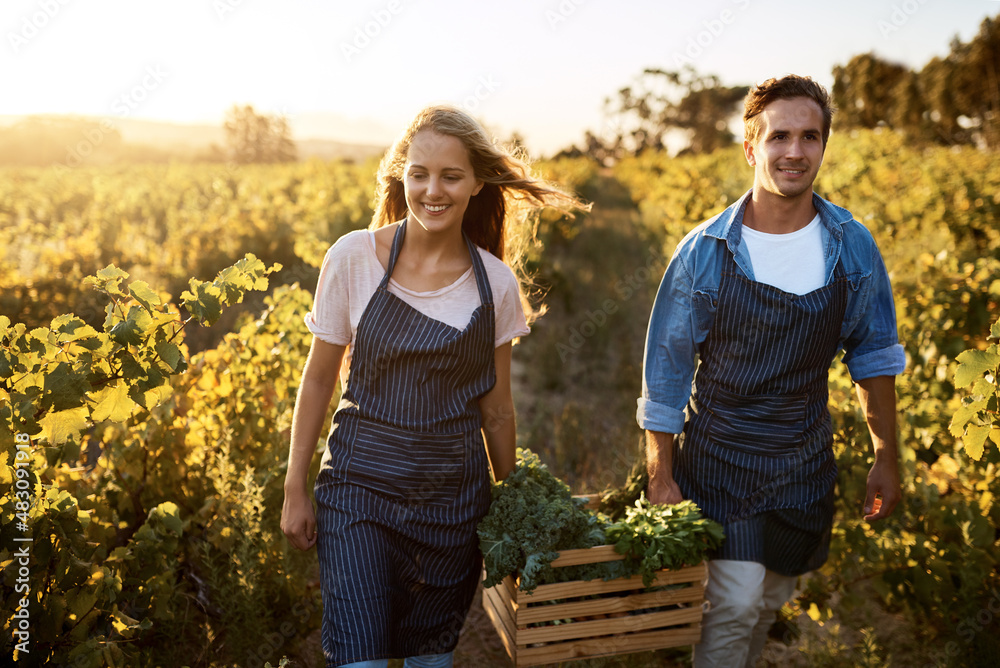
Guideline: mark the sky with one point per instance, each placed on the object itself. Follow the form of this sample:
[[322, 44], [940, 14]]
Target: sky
[[359, 70]]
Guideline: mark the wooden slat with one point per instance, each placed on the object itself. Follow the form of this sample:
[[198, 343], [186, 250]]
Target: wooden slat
[[591, 555], [501, 619], [510, 592], [620, 604], [586, 588], [598, 627], [508, 608], [609, 645]]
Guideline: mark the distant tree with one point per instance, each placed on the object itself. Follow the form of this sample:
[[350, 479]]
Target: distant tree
[[952, 100], [941, 98], [662, 105], [253, 137], [975, 80], [663, 101], [865, 91]]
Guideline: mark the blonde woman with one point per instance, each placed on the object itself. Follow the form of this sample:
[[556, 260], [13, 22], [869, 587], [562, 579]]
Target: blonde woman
[[424, 306]]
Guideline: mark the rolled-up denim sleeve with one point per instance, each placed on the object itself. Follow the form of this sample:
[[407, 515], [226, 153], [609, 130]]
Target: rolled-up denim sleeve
[[669, 359], [873, 348]]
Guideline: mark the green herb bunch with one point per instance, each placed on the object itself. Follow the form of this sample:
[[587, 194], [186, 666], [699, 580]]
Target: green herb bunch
[[661, 536]]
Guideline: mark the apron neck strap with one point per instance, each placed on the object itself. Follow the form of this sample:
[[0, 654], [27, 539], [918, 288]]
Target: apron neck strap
[[478, 268]]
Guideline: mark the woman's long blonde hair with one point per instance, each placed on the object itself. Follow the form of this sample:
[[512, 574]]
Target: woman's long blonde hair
[[501, 218]]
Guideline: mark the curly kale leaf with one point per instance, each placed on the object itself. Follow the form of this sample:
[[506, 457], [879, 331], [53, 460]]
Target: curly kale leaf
[[532, 517]]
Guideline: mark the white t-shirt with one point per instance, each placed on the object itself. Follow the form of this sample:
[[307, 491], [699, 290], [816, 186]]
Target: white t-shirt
[[791, 262], [351, 273]]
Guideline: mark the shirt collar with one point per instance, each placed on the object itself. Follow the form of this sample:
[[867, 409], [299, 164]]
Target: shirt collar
[[728, 224]]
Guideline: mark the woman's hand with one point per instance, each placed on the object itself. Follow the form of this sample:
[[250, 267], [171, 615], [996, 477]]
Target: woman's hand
[[298, 520]]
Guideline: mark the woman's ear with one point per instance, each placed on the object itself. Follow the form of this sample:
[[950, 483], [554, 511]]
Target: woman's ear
[[479, 186]]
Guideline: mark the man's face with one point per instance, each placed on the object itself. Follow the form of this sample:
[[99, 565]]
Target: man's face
[[789, 149]]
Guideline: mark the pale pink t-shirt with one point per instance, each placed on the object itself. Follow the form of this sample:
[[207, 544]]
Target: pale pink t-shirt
[[351, 273]]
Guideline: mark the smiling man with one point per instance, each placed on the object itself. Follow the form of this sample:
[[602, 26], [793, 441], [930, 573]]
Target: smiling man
[[761, 298]]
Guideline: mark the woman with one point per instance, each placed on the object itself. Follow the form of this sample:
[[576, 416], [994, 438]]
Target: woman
[[425, 306]]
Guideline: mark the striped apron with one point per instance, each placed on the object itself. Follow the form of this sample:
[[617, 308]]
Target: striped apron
[[756, 454], [405, 480]]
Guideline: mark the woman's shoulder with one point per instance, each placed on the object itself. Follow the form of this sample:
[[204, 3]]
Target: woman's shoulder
[[356, 249], [497, 269], [350, 243]]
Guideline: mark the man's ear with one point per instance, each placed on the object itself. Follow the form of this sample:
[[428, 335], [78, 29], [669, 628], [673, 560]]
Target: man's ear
[[748, 151]]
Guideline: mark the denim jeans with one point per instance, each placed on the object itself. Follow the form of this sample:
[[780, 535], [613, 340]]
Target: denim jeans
[[425, 661]]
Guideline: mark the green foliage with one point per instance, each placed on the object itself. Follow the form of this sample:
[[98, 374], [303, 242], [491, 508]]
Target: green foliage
[[533, 515], [659, 536], [164, 224], [615, 502], [979, 416], [155, 479]]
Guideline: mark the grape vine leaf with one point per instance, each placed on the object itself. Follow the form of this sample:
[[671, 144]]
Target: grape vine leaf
[[59, 426], [975, 440], [203, 301], [145, 295], [131, 330], [108, 280], [113, 403], [974, 363]]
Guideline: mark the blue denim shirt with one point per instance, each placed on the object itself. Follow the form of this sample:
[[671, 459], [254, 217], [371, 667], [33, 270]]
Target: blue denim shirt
[[685, 307]]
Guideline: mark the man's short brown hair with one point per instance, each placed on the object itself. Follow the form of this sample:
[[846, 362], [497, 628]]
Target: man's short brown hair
[[785, 88]]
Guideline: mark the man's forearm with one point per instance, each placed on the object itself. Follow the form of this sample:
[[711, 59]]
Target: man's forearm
[[878, 401], [659, 455]]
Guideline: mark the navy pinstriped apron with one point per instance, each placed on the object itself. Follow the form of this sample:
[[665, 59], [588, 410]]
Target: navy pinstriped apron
[[756, 454], [405, 480]]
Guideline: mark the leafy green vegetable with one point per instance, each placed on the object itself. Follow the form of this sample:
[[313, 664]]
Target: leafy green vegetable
[[660, 536], [533, 515]]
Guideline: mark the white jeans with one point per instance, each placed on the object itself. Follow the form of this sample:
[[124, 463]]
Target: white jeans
[[744, 598]]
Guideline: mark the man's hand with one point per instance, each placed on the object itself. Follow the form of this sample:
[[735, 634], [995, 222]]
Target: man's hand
[[664, 490], [884, 490]]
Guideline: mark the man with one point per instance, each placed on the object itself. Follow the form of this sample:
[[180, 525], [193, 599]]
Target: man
[[764, 295]]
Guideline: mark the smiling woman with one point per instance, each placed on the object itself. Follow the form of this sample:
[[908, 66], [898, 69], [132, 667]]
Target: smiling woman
[[425, 306]]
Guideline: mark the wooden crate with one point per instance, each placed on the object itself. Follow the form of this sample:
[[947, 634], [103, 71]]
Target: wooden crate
[[619, 616]]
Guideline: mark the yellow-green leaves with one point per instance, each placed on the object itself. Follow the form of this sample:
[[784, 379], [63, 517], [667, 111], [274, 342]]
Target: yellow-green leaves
[[108, 280], [145, 295], [974, 363], [112, 403], [204, 301], [60, 426], [977, 419], [58, 380]]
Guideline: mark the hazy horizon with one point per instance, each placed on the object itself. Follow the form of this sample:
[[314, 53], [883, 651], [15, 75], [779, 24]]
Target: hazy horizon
[[357, 73]]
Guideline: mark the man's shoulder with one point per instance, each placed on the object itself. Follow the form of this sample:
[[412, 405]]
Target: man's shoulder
[[858, 246], [710, 235]]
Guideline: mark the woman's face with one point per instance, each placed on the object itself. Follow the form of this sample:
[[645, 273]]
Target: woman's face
[[438, 181]]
